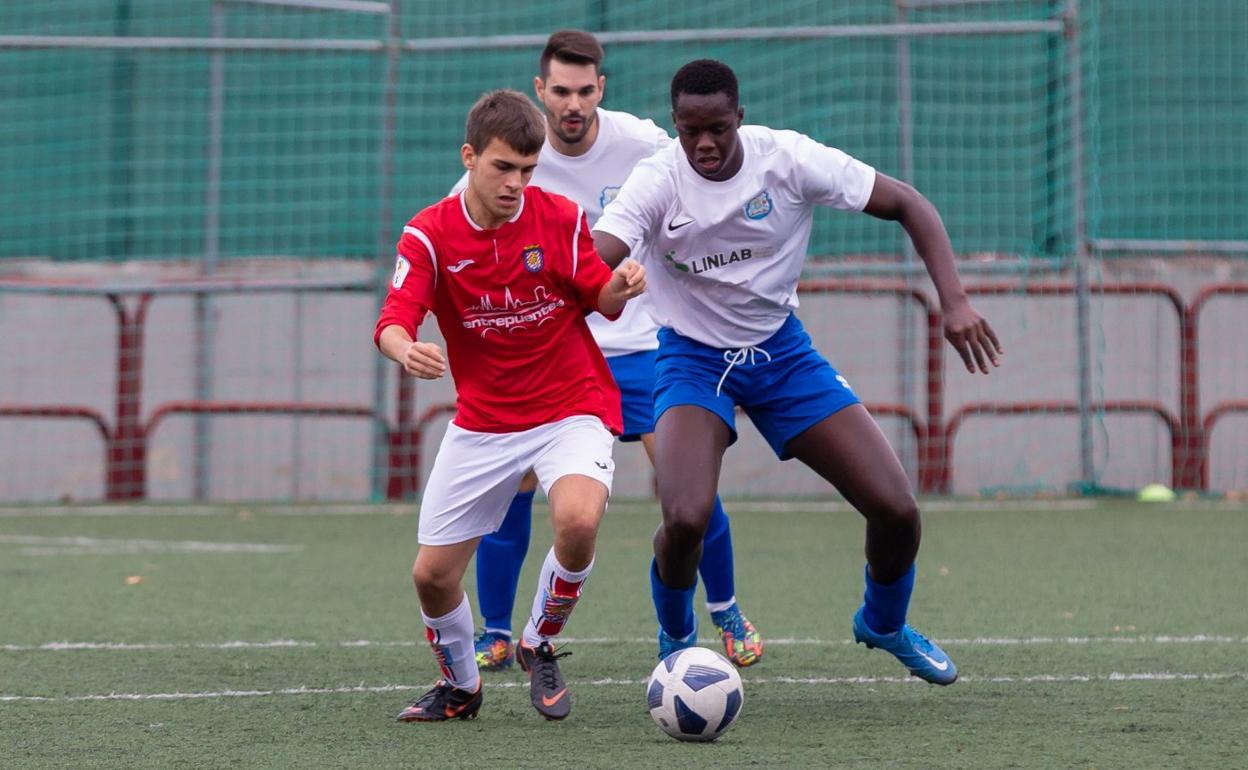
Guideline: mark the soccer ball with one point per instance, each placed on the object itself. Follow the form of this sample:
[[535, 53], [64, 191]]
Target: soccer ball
[[694, 694]]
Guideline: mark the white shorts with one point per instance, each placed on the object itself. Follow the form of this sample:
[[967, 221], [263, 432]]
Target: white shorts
[[475, 475]]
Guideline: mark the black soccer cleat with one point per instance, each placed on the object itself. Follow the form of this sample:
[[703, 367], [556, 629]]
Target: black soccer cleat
[[441, 703], [546, 688]]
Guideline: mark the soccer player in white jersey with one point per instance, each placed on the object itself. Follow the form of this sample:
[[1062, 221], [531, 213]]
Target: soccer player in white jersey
[[723, 219], [588, 153]]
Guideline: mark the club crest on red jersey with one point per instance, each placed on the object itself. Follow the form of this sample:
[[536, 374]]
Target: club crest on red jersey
[[533, 257]]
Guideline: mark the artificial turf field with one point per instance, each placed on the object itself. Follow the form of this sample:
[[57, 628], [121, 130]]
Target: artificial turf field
[[1088, 635]]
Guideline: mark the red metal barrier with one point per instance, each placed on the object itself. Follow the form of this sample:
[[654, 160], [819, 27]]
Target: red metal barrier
[[1059, 407], [1217, 413], [417, 435], [1190, 366], [285, 408], [402, 476], [126, 473], [1187, 439], [125, 470], [66, 412], [929, 436], [126, 441]]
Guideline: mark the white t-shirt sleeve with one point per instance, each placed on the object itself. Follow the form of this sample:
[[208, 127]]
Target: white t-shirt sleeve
[[639, 207], [829, 177]]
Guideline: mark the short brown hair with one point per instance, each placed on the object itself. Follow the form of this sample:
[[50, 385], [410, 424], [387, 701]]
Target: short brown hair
[[508, 115], [571, 46]]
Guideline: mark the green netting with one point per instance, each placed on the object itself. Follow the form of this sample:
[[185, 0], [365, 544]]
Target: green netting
[[105, 154], [1171, 107]]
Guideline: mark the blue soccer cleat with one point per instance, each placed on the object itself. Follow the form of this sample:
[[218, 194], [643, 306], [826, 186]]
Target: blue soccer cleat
[[915, 651], [670, 644]]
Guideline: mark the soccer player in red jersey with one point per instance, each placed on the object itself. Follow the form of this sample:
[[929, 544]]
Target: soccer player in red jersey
[[510, 272]]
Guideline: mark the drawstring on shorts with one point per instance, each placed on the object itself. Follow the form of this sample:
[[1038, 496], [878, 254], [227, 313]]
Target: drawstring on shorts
[[738, 357]]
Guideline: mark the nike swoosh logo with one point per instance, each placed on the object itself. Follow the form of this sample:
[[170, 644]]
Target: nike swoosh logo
[[674, 225], [600, 465], [549, 701], [941, 666], [462, 264]]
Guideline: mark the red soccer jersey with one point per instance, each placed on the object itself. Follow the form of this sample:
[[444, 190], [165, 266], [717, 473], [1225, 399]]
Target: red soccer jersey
[[511, 303]]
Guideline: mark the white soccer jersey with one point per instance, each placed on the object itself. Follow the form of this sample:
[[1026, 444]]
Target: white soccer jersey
[[593, 180], [723, 258]]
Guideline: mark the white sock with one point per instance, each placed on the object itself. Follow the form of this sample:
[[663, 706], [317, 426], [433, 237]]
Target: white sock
[[558, 588], [450, 636], [720, 606]]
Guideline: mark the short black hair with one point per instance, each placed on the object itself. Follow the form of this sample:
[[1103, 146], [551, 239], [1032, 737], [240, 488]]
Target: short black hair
[[571, 46], [705, 76], [508, 115]]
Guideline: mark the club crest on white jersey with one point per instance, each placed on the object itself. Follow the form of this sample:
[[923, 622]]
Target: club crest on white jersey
[[759, 206], [607, 195]]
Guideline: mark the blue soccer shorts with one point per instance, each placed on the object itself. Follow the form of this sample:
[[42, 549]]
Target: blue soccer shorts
[[634, 374], [782, 383]]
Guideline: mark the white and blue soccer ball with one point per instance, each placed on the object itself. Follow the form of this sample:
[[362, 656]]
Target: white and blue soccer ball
[[694, 694]]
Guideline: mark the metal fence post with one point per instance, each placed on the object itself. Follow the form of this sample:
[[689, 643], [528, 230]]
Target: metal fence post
[[205, 327], [381, 367], [1074, 61]]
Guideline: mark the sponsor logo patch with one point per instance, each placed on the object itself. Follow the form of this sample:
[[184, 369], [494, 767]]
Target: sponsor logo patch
[[671, 260], [401, 268]]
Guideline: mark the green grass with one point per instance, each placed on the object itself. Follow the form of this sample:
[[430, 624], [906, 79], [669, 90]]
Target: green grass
[[1059, 618]]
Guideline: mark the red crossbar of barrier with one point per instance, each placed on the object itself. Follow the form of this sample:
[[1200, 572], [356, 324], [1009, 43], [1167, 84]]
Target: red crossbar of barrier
[[126, 439]]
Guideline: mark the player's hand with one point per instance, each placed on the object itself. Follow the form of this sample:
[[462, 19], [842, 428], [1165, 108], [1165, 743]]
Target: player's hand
[[628, 280], [424, 360], [972, 337]]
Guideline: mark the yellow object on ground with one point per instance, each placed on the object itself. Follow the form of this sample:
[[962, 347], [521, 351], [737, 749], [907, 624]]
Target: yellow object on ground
[[1156, 493]]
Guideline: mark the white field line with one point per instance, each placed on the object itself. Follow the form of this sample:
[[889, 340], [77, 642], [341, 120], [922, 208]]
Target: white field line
[[76, 546], [200, 509], [983, 641], [1112, 678]]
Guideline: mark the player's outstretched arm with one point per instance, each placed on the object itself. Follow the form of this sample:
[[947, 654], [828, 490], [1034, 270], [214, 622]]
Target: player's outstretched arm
[[627, 281], [420, 359], [968, 331], [612, 250]]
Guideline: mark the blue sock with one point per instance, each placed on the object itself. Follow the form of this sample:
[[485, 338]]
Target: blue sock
[[500, 555], [886, 605], [674, 606], [716, 565]]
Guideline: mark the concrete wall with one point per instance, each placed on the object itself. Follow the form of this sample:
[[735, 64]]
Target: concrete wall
[[62, 350]]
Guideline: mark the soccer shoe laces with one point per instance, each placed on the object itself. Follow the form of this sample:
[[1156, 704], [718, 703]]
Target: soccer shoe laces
[[921, 642], [549, 674], [731, 621], [737, 358]]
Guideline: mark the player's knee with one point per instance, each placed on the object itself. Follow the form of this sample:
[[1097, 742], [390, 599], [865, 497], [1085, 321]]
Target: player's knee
[[899, 512], [431, 582], [579, 527], [685, 523]]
